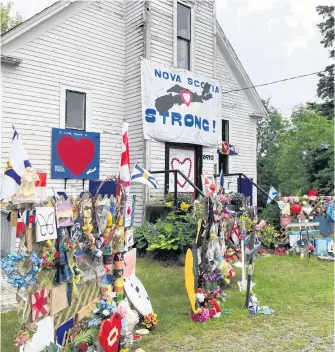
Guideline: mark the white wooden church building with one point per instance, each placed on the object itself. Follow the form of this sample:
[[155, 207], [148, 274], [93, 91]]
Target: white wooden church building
[[77, 65]]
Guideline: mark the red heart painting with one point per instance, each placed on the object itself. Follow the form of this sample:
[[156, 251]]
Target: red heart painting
[[109, 333], [76, 154], [173, 160]]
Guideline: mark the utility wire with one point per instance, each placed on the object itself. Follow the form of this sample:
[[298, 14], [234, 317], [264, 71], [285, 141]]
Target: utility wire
[[273, 82]]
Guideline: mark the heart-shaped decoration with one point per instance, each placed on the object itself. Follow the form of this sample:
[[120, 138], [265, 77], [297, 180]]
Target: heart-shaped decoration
[[188, 174], [186, 97], [307, 209], [76, 154], [285, 220], [109, 333]]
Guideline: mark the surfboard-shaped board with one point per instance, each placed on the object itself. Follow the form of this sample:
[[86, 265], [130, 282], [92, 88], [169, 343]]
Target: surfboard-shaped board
[[109, 333], [189, 278], [137, 295]]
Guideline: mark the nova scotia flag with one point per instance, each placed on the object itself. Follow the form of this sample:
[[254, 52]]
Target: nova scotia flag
[[16, 165], [272, 194], [141, 175]]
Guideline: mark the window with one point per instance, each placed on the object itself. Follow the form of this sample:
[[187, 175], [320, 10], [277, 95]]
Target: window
[[223, 159], [183, 36], [75, 110], [75, 107]]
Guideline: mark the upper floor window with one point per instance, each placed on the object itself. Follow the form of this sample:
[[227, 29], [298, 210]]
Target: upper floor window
[[75, 110], [183, 36], [75, 107]]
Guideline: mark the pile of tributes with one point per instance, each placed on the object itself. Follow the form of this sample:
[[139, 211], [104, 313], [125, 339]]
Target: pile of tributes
[[308, 223], [229, 233], [74, 270]]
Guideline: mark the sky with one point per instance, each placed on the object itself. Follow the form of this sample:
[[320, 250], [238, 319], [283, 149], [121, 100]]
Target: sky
[[274, 39]]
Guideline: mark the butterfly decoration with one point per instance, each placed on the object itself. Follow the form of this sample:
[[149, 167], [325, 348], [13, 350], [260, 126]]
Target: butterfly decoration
[[45, 224]]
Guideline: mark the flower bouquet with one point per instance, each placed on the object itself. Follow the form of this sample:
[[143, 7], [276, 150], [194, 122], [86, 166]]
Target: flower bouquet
[[150, 321]]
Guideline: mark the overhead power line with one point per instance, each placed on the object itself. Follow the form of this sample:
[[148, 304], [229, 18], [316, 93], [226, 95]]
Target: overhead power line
[[273, 82]]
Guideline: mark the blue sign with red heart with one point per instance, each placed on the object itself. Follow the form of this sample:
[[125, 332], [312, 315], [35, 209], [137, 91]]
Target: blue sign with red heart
[[75, 154]]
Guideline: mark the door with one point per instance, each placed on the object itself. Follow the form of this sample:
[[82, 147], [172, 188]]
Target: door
[[183, 157]]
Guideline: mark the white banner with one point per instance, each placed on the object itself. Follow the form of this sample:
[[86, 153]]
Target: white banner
[[180, 106]]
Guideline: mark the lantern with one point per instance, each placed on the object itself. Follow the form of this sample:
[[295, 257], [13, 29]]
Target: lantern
[[296, 209]]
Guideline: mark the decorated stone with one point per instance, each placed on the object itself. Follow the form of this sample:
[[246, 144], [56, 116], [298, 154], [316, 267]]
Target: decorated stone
[[109, 333], [138, 295]]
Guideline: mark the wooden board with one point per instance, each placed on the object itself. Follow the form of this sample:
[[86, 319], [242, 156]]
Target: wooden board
[[87, 310], [58, 299], [189, 278], [303, 224], [304, 232]]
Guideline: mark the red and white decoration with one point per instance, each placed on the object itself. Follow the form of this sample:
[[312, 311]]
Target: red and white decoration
[[183, 160], [124, 176], [109, 333], [41, 185], [39, 303]]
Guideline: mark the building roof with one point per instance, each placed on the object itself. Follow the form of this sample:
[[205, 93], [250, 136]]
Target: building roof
[[34, 21], [230, 55]]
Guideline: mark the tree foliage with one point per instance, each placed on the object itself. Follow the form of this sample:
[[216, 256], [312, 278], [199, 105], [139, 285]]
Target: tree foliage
[[7, 20], [301, 148], [325, 88], [269, 130]]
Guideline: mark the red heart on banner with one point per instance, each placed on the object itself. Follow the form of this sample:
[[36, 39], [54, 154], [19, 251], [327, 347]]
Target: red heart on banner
[[109, 333], [76, 154], [173, 160]]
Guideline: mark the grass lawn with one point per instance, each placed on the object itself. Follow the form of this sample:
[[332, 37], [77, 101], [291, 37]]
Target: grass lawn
[[299, 290]]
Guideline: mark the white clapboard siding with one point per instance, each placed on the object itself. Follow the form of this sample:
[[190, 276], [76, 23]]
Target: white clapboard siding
[[86, 50], [236, 108], [162, 51], [134, 50]]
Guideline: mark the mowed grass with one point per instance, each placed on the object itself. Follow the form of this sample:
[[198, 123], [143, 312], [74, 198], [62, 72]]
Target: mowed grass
[[299, 290]]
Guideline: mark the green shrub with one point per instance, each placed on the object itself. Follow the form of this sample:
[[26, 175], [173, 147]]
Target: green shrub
[[169, 237], [269, 236]]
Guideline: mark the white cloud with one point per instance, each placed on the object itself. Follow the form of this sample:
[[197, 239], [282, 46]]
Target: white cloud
[[291, 21], [298, 42], [273, 23]]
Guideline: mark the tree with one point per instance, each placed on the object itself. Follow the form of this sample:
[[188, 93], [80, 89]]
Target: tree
[[325, 89], [269, 129], [302, 147], [7, 21]]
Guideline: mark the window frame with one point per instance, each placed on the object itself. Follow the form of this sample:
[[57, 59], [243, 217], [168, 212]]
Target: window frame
[[177, 37], [88, 106]]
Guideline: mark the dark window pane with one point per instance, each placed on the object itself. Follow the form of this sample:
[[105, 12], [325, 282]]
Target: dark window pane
[[184, 22], [183, 54], [75, 110]]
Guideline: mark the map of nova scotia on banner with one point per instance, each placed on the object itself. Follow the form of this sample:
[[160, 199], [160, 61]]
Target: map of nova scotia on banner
[[180, 106]]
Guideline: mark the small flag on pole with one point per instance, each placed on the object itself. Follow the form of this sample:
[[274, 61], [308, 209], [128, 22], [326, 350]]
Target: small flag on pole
[[141, 175], [16, 165], [124, 175], [272, 194]]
